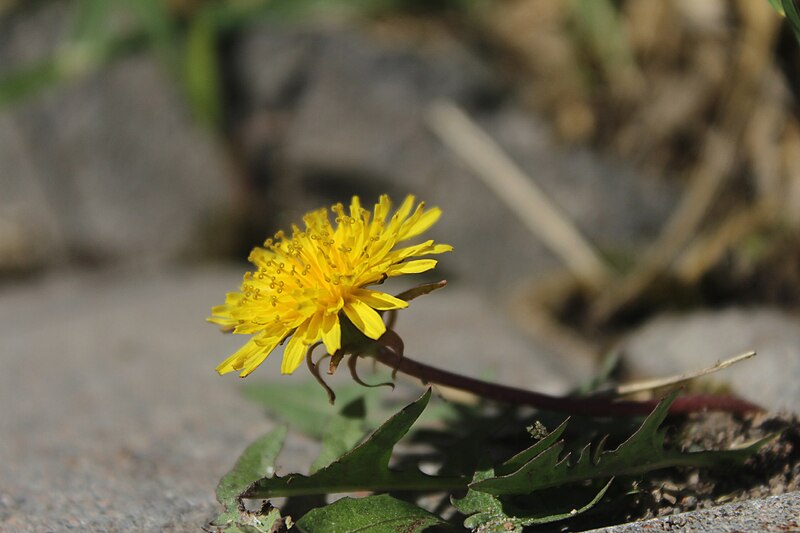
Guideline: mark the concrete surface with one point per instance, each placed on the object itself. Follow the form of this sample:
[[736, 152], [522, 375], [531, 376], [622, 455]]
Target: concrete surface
[[114, 419]]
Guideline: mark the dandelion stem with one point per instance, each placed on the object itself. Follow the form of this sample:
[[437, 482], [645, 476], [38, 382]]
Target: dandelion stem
[[569, 405]]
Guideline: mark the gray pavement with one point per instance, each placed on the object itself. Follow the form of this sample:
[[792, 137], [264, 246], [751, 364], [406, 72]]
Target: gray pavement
[[114, 419]]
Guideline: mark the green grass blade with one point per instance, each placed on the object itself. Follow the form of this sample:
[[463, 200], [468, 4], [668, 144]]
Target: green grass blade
[[791, 9], [201, 70]]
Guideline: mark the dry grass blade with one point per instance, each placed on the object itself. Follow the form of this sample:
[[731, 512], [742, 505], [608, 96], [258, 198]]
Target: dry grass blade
[[518, 191], [652, 384]]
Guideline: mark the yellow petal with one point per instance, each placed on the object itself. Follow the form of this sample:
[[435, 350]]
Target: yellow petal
[[222, 321], [379, 300], [405, 208], [267, 346], [411, 267], [355, 207], [293, 354], [236, 361], [260, 256], [365, 318], [413, 227], [313, 330], [331, 332]]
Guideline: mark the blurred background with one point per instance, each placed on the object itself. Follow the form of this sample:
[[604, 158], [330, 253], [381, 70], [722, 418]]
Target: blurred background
[[144, 133], [598, 162]]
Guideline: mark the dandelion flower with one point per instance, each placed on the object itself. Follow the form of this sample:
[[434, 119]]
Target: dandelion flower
[[307, 284]]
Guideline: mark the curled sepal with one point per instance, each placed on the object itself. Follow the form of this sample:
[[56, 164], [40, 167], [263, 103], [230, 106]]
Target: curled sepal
[[421, 290]]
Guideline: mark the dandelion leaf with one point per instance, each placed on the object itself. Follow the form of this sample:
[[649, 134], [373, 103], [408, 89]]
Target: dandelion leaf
[[373, 514], [342, 432], [257, 460], [305, 404], [536, 469], [488, 513], [364, 468]]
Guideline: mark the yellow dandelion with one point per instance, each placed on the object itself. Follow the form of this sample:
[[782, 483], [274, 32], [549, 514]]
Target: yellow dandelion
[[307, 284]]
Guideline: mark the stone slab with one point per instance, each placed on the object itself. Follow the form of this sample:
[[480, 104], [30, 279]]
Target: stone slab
[[114, 419], [674, 344]]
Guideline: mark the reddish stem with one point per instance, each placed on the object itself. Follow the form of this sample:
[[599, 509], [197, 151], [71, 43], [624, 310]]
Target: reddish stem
[[574, 406]]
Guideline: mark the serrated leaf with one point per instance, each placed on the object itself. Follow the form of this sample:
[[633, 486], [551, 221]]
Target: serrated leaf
[[255, 462], [373, 514], [487, 513], [642, 452], [526, 455], [342, 432], [364, 468]]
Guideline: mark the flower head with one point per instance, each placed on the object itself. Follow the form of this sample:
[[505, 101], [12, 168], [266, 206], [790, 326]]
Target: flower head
[[308, 283]]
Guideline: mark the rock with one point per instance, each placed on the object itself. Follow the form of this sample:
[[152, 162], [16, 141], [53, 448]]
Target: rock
[[358, 125], [676, 344], [776, 513], [108, 166], [116, 421], [33, 34], [124, 424], [457, 329]]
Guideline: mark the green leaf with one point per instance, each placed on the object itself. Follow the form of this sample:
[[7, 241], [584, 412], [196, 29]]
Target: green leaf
[[305, 405], [342, 433], [365, 468], [489, 514], [642, 452], [257, 461], [27, 81], [373, 514], [598, 23], [530, 453], [791, 9], [201, 70], [776, 5]]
